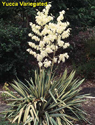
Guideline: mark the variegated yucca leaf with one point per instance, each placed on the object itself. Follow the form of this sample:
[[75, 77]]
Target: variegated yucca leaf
[[46, 100]]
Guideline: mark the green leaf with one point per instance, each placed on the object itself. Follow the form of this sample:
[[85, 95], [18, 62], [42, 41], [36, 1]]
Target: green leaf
[[10, 95], [15, 118], [47, 118], [19, 90], [53, 121], [52, 96], [34, 112]]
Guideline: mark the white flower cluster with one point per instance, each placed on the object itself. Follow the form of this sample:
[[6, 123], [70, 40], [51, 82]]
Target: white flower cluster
[[49, 38]]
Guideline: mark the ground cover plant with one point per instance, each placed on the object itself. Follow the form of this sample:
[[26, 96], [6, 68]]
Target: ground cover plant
[[47, 100]]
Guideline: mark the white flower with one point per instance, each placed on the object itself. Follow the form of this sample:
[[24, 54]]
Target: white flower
[[41, 44], [48, 6], [66, 55], [60, 18], [33, 53], [59, 30], [29, 43], [38, 13], [61, 58], [30, 35], [49, 31], [28, 50], [66, 33], [36, 31], [44, 10], [39, 58], [60, 43], [40, 64], [66, 45], [47, 9], [38, 27], [44, 31], [45, 39], [47, 63], [55, 60], [33, 45], [63, 11], [48, 50], [30, 23], [35, 38], [52, 47], [44, 54]]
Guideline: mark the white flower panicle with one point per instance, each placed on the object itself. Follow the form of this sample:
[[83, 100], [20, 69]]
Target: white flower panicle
[[48, 37]]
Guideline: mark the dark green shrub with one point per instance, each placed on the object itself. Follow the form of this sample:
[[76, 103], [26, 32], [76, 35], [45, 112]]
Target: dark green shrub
[[87, 69], [78, 13], [13, 56]]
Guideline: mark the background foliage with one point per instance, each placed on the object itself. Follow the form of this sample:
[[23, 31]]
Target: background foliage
[[83, 53], [13, 55], [14, 27]]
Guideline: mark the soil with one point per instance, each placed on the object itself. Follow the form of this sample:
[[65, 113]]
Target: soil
[[88, 106]]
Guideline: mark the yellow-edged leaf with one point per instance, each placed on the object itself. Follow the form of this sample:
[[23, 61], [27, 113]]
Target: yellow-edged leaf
[[34, 112], [20, 114], [26, 112], [14, 120]]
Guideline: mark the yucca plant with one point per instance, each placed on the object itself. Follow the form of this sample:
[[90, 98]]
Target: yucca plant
[[47, 101]]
